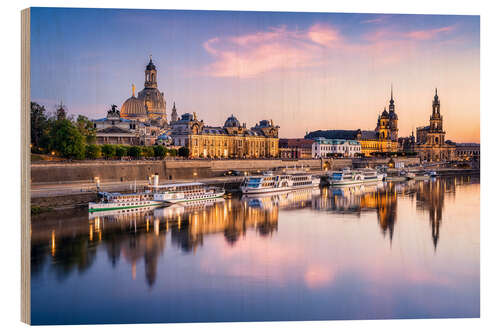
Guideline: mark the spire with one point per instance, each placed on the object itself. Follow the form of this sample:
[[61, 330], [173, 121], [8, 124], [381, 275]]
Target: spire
[[392, 100], [173, 108]]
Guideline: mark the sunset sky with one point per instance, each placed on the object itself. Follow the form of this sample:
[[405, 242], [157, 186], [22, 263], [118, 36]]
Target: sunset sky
[[306, 71]]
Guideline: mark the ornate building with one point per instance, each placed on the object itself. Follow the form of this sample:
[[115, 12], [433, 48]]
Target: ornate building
[[384, 139], [115, 129], [150, 102], [430, 143], [233, 140]]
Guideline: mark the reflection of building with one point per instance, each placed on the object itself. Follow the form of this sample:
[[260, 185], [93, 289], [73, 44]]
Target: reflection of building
[[381, 140], [231, 140], [295, 148], [430, 142]]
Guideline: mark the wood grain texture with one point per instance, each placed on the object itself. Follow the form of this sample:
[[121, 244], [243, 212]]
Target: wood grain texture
[[25, 168]]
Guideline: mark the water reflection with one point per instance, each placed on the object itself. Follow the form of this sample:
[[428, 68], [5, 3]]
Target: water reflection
[[69, 242]]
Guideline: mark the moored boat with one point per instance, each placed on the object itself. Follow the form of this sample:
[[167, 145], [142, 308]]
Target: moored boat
[[348, 177], [124, 202], [269, 182], [186, 192]]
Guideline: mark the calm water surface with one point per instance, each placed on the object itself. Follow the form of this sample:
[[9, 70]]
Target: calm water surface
[[407, 250]]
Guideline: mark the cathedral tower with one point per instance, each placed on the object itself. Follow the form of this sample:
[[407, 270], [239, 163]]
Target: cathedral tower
[[150, 75], [436, 133], [393, 119]]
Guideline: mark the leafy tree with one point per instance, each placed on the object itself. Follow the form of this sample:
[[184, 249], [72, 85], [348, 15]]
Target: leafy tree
[[172, 152], [65, 138], [93, 151], [183, 152], [160, 151], [121, 151], [108, 151], [148, 151], [134, 151], [86, 127], [39, 124]]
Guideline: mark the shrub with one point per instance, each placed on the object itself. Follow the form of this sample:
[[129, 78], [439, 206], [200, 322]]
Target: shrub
[[183, 152], [134, 151], [121, 151], [93, 152], [108, 151], [160, 151], [147, 151]]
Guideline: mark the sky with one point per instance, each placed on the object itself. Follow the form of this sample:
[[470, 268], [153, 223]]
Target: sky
[[306, 71]]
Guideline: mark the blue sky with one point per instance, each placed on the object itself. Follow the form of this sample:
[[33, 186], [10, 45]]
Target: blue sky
[[329, 70]]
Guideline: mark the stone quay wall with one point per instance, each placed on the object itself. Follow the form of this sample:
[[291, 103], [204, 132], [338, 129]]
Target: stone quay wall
[[108, 171]]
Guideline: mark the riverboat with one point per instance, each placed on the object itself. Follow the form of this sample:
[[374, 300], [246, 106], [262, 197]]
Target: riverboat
[[269, 182], [123, 202], [186, 192], [349, 177]]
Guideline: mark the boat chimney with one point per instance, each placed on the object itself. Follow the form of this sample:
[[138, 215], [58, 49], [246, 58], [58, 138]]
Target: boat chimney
[[156, 179]]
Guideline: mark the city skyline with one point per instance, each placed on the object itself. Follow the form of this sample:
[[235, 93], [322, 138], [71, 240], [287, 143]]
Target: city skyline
[[328, 70]]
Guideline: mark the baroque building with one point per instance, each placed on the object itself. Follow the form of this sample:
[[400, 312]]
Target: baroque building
[[115, 129], [233, 140], [150, 102], [430, 142], [383, 139]]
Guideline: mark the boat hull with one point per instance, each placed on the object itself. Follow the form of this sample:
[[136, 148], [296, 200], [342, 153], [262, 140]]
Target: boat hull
[[99, 207], [206, 197], [246, 190]]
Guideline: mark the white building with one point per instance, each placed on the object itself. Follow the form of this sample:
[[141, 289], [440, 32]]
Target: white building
[[335, 148]]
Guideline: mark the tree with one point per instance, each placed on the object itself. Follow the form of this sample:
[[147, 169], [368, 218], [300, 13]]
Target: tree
[[148, 151], [121, 151], [65, 138], [108, 151], [39, 124], [160, 151], [93, 151], [134, 151], [183, 152], [86, 127], [172, 152]]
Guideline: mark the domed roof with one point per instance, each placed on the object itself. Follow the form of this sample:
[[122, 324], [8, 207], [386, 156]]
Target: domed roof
[[232, 122], [133, 107], [385, 114]]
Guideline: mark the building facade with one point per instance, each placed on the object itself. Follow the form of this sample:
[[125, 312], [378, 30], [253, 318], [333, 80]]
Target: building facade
[[323, 147], [295, 148], [233, 140], [383, 139], [430, 142], [468, 151], [115, 129]]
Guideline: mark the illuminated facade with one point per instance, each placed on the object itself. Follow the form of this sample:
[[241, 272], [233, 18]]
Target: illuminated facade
[[233, 140], [430, 143], [384, 139]]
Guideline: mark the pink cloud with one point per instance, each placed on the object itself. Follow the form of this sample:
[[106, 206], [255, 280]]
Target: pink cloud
[[278, 48], [283, 49], [428, 34]]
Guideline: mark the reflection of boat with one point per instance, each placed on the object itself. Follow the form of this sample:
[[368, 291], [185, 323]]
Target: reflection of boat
[[290, 199], [348, 177], [121, 212], [185, 192], [124, 202], [183, 207], [270, 182]]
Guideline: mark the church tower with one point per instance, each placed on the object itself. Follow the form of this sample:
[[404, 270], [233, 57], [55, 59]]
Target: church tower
[[150, 75], [436, 133], [174, 116], [393, 119]]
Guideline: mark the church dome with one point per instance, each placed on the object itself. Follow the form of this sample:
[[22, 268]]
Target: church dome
[[133, 108], [232, 122]]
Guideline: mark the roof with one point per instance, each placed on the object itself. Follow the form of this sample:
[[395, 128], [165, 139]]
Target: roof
[[113, 129], [369, 135], [333, 134]]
